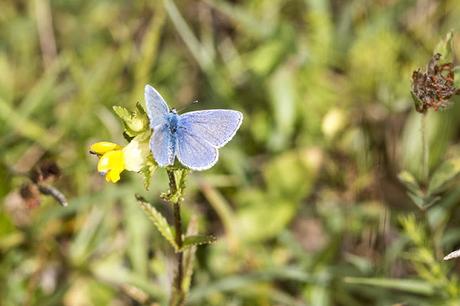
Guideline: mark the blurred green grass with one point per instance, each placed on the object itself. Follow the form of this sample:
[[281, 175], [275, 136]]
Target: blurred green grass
[[305, 200]]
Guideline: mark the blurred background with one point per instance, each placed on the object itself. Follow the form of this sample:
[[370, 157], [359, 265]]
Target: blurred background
[[305, 201]]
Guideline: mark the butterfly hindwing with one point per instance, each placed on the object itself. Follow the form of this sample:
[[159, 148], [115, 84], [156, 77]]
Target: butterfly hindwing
[[195, 152], [216, 126], [157, 109]]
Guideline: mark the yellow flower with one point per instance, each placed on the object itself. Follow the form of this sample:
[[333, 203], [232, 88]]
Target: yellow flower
[[114, 159], [103, 147]]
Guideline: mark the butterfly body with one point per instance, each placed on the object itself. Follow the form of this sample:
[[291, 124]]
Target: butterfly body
[[173, 119], [193, 137]]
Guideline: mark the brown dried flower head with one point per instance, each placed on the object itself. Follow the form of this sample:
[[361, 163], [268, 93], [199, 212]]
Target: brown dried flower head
[[433, 87], [41, 176], [47, 171]]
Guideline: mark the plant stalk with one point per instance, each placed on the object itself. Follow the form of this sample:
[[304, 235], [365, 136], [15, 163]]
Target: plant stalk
[[425, 150], [425, 178], [180, 254], [178, 295]]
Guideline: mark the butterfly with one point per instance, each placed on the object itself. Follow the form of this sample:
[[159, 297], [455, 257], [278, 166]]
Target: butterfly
[[194, 137]]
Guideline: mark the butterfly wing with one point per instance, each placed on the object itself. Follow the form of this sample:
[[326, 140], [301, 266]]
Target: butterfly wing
[[163, 145], [195, 152], [201, 133], [217, 126], [157, 109]]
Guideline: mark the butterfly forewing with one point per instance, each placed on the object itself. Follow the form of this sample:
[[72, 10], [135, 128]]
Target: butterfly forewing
[[162, 146], [217, 127], [157, 109]]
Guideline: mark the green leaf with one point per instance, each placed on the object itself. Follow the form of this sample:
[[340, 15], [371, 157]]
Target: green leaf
[[263, 59], [417, 102], [410, 182], [444, 47], [195, 240], [457, 76], [422, 199], [425, 201], [148, 170], [175, 193], [135, 123], [139, 121], [251, 221], [289, 176], [443, 175], [407, 285], [122, 112], [239, 282], [283, 100], [416, 200], [158, 220], [189, 256]]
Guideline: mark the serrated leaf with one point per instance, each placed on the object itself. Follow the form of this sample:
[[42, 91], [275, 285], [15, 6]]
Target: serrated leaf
[[126, 117], [134, 123], [158, 220], [443, 175], [122, 112], [195, 240], [175, 193], [148, 170]]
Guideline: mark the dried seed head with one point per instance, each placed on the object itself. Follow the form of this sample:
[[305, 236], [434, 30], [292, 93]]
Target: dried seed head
[[433, 87], [30, 195], [46, 171]]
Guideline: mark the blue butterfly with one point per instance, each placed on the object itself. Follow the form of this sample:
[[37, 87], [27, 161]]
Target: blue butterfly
[[193, 137]]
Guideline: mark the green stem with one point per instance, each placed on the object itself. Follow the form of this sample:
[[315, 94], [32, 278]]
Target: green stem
[[425, 178], [180, 254], [425, 151], [178, 295]]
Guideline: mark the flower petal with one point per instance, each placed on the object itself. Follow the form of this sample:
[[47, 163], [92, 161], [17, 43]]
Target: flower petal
[[135, 154], [103, 147], [111, 160], [113, 175]]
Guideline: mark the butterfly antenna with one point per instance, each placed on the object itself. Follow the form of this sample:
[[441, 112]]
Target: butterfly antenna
[[185, 107]]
